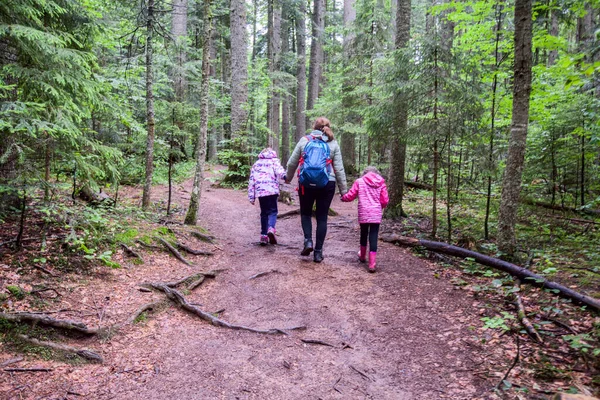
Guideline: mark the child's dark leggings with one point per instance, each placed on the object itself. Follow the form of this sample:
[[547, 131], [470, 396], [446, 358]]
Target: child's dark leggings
[[372, 232], [268, 212]]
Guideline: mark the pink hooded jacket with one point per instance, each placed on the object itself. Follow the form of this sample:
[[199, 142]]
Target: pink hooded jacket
[[265, 175], [372, 197]]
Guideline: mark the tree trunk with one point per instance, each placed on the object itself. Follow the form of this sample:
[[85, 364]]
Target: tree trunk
[[213, 140], [490, 167], [149, 108], [316, 56], [8, 154], [239, 67], [301, 71], [348, 145], [276, 94], [179, 31], [511, 184], [285, 103], [192, 213], [398, 150], [553, 55]]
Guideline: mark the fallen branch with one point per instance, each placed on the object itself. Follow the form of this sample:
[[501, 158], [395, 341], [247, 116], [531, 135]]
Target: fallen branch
[[522, 315], [11, 361], [84, 353], [320, 342], [28, 369], [174, 251], [44, 270], [203, 237], [130, 252], [514, 363], [555, 207], [49, 321], [194, 252], [181, 301], [523, 274], [273, 271]]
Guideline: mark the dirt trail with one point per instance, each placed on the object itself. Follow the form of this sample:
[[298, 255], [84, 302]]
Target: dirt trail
[[394, 334]]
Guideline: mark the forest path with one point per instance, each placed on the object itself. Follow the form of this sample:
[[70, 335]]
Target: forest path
[[397, 334], [399, 326]]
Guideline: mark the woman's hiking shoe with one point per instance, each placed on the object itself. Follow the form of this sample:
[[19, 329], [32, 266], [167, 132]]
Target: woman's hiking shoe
[[372, 261], [271, 235], [318, 256], [308, 247], [264, 240], [362, 254]]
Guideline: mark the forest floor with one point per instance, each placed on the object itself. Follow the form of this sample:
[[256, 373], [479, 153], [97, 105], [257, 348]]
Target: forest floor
[[405, 332]]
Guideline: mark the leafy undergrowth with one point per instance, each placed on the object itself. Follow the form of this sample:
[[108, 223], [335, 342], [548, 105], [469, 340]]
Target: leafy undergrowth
[[564, 248]]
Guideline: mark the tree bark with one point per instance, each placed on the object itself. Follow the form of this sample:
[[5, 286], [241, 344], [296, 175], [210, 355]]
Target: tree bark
[[553, 55], [285, 97], [348, 142], [276, 94], [511, 184], [192, 213], [316, 55], [239, 67], [149, 107], [301, 71], [179, 32], [523, 274], [398, 148]]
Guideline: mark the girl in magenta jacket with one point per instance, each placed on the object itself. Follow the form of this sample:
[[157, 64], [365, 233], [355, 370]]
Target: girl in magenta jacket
[[372, 196]]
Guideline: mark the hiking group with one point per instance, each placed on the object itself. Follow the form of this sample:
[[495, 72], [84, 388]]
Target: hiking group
[[318, 159]]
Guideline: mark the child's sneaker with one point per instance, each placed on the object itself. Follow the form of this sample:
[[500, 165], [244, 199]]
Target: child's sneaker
[[264, 240], [271, 235]]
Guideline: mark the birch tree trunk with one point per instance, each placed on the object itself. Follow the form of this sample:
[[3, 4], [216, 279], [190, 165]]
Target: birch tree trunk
[[511, 184], [316, 55], [149, 108], [398, 147], [301, 71], [192, 212], [239, 67]]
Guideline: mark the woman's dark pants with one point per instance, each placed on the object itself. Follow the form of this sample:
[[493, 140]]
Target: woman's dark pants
[[322, 198]]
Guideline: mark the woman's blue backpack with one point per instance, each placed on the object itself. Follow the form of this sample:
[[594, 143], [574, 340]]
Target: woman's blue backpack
[[315, 164]]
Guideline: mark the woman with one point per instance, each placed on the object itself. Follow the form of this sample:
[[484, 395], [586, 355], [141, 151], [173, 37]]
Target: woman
[[322, 196]]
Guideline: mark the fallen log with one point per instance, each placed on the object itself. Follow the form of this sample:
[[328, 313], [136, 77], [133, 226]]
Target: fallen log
[[523, 274], [49, 321], [418, 185], [288, 214], [28, 369], [555, 207], [181, 301], [84, 353]]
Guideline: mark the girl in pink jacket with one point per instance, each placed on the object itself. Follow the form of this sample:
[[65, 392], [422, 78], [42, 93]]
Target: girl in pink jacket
[[372, 199]]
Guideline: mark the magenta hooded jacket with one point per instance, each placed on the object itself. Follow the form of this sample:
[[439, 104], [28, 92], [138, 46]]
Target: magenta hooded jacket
[[372, 197], [265, 175]]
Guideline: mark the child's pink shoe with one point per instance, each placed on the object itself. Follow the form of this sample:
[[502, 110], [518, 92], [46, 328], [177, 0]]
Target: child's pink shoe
[[372, 261], [362, 254], [264, 240], [271, 234]]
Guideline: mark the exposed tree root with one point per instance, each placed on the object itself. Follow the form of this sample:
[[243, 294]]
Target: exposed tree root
[[130, 252], [194, 252], [525, 275], [65, 324], [28, 369], [174, 251], [180, 300], [11, 361], [273, 271], [320, 342], [84, 353], [141, 310], [193, 278], [203, 237], [149, 246]]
